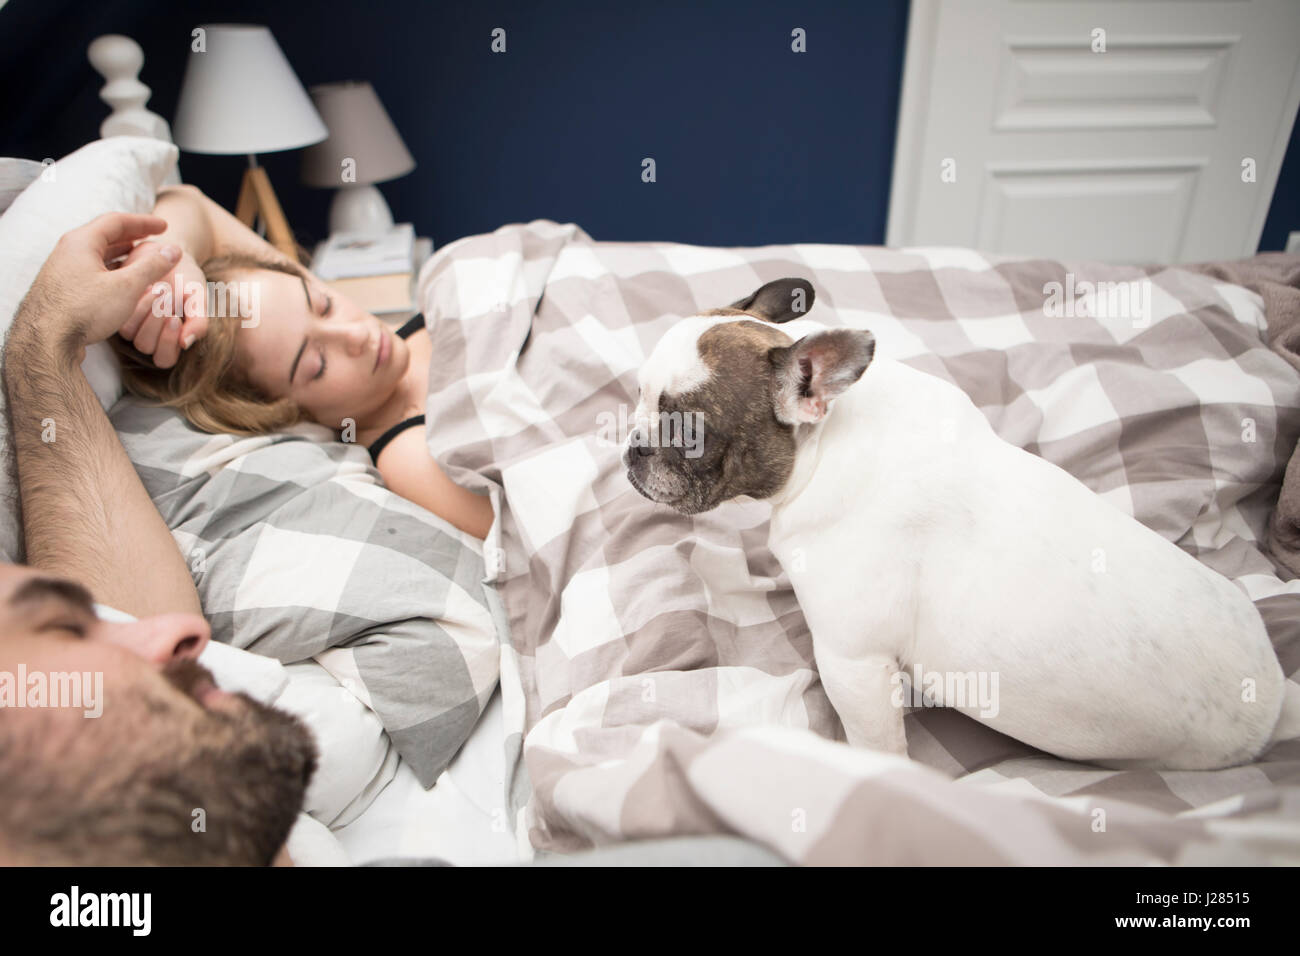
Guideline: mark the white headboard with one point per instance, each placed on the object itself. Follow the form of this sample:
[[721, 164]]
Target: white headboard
[[118, 59]]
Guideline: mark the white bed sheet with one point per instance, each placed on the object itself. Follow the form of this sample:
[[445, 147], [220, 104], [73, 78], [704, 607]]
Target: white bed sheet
[[462, 819]]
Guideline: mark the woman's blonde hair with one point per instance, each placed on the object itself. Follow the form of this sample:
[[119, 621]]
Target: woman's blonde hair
[[206, 384]]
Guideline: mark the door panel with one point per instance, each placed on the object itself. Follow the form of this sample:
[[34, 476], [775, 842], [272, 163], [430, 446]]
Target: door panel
[[1016, 137]]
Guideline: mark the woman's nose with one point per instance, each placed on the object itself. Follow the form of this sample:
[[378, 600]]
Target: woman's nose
[[163, 639], [354, 338]]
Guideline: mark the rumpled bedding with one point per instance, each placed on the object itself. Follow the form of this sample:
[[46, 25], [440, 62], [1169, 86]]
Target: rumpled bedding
[[659, 678], [1275, 277]]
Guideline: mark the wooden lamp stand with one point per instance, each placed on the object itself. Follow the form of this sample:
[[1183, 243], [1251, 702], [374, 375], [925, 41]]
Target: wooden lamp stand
[[257, 198]]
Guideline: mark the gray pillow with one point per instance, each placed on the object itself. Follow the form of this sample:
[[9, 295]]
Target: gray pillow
[[15, 176], [298, 551]]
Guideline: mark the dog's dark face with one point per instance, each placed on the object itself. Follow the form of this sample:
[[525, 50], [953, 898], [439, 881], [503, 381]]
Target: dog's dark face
[[706, 433], [723, 392]]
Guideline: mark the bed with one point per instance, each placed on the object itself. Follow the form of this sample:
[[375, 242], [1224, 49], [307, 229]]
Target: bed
[[657, 676], [626, 673]]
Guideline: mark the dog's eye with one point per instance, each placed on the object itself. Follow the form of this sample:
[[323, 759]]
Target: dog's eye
[[707, 453]]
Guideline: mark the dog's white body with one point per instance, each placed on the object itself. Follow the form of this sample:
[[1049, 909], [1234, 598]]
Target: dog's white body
[[917, 539]]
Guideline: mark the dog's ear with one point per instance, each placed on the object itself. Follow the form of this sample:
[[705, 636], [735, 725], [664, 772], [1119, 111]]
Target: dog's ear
[[810, 374], [779, 301]]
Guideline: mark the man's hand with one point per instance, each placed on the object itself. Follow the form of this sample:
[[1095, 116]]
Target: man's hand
[[173, 313], [77, 299]]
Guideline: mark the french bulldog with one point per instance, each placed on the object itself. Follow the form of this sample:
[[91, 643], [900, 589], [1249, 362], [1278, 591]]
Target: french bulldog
[[919, 542]]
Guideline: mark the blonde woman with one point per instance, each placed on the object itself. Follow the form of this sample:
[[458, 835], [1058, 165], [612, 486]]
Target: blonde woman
[[310, 355]]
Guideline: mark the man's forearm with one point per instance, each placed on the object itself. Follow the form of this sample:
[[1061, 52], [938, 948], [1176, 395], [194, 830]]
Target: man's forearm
[[86, 515]]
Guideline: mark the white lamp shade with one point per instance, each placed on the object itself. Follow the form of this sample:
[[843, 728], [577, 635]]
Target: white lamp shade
[[240, 96], [363, 140]]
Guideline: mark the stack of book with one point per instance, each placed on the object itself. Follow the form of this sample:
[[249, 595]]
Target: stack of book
[[374, 271]]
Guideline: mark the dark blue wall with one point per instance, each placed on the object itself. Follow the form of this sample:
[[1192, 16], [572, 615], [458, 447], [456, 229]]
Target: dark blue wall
[[753, 143], [1284, 214]]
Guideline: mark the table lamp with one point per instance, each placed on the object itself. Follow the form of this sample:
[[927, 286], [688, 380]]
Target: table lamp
[[363, 148], [240, 96]]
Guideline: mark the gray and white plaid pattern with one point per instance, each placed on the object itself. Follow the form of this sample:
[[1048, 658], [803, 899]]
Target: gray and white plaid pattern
[[660, 676], [298, 551]]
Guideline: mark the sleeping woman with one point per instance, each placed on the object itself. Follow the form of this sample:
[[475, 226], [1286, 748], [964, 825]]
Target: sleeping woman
[[311, 355]]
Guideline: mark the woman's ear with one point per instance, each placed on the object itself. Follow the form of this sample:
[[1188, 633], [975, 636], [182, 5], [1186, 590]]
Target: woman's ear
[[810, 374], [779, 301]]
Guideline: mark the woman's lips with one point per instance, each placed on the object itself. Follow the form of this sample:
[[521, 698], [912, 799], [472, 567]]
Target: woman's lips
[[383, 349]]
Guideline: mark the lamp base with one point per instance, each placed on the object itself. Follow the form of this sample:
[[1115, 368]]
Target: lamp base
[[257, 198], [360, 209]]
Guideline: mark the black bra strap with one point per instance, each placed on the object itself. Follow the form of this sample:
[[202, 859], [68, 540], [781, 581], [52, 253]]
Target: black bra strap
[[380, 443], [412, 325]]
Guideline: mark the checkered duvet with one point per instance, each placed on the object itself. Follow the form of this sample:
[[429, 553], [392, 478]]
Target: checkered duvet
[[659, 676]]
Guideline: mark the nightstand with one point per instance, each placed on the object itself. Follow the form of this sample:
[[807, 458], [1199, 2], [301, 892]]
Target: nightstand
[[421, 251], [420, 255]]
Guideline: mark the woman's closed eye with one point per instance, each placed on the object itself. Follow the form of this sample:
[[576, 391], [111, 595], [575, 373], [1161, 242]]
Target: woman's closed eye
[[326, 300], [308, 365], [322, 303], [314, 366]]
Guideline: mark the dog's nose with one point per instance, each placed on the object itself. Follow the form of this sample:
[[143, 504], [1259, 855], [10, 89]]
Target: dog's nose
[[644, 451]]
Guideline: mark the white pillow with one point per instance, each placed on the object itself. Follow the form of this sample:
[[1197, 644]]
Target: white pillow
[[119, 174], [356, 758]]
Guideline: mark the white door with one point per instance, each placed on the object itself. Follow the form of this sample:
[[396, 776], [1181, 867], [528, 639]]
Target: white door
[[1130, 132]]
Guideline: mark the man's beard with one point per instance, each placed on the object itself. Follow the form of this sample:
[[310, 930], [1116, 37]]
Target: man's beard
[[155, 780], [188, 675], [257, 759]]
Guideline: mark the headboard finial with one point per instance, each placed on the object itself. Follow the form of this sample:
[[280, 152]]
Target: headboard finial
[[119, 59]]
